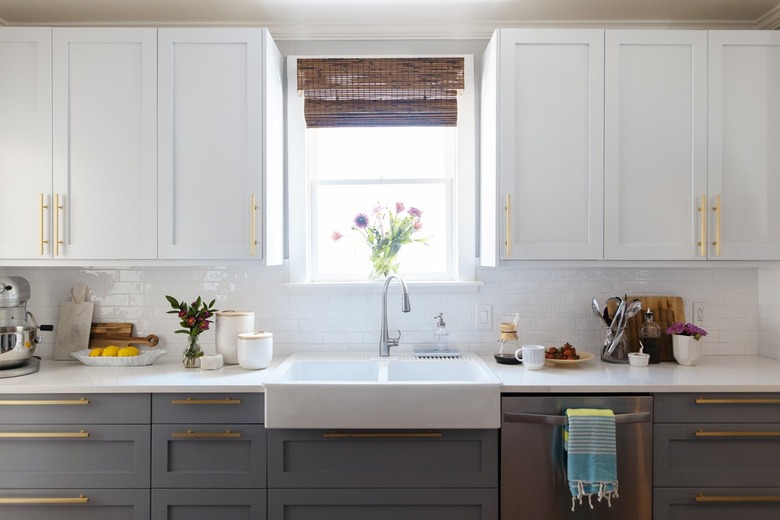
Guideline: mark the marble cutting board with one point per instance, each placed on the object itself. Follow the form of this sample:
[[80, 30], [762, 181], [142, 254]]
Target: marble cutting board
[[74, 325]]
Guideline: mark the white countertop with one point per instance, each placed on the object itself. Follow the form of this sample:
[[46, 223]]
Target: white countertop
[[712, 374]]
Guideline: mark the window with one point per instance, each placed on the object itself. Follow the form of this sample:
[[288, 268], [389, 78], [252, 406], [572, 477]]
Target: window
[[357, 164]]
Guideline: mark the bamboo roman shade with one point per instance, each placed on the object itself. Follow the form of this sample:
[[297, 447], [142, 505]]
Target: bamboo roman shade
[[380, 91]]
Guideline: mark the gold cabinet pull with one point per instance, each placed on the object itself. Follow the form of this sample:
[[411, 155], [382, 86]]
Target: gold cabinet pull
[[732, 434], [253, 225], [190, 400], [45, 435], [42, 206], [57, 208], [381, 435], [44, 402], [189, 434], [716, 209], [749, 400], [43, 500], [736, 499], [508, 210], [702, 226]]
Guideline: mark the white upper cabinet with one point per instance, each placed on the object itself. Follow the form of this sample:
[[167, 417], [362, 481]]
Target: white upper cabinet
[[542, 145], [655, 160], [25, 141], [220, 144], [744, 145], [105, 143]]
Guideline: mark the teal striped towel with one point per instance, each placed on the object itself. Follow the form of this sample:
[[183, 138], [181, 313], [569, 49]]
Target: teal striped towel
[[589, 440]]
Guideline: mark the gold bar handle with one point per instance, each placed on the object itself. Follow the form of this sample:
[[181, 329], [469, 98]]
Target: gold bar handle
[[757, 400], [190, 400], [43, 500], [42, 206], [716, 209], [702, 226], [57, 208], [381, 435], [43, 402], [253, 225], [508, 210], [736, 499], [702, 433], [44, 435], [189, 434]]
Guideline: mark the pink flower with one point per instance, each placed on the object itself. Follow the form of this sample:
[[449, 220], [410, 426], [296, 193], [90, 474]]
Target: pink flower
[[415, 212], [399, 207], [417, 225], [335, 236]]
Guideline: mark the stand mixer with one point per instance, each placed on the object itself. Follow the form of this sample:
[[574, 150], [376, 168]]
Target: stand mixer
[[508, 330], [18, 328]]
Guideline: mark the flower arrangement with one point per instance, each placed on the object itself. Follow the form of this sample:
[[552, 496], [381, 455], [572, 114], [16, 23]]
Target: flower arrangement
[[385, 234], [686, 329], [194, 320]]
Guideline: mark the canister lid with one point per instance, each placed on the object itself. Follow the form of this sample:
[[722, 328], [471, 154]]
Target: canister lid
[[233, 314], [259, 334]]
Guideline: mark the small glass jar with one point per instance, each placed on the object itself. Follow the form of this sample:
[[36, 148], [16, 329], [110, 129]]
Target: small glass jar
[[650, 337]]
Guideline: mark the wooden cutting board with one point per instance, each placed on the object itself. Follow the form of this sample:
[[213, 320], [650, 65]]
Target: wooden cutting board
[[119, 334], [666, 310]]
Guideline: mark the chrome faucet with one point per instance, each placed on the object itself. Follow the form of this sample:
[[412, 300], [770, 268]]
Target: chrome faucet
[[385, 341]]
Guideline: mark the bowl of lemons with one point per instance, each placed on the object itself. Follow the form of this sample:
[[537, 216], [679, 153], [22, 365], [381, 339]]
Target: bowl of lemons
[[114, 356]]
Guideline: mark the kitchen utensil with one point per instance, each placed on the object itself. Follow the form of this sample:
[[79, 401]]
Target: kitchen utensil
[[532, 356], [616, 300], [666, 310], [18, 328], [122, 341], [146, 356], [73, 328], [584, 356], [594, 306], [111, 329]]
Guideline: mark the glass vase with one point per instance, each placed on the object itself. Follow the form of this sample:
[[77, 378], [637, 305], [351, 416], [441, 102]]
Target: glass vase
[[191, 355]]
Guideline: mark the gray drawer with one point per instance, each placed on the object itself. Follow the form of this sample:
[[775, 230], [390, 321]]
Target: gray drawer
[[716, 454], [208, 408], [208, 456], [383, 459], [75, 504], [387, 504], [721, 408], [208, 504], [64, 456], [716, 504], [75, 409]]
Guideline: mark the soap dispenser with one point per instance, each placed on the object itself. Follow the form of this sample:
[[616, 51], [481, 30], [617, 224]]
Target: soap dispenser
[[442, 335]]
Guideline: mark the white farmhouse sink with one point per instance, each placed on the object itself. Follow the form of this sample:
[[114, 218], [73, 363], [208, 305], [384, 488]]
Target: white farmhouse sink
[[355, 390]]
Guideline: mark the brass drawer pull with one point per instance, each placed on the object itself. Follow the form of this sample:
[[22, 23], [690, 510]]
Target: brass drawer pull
[[702, 433], [44, 435], [43, 500], [44, 402], [381, 435], [757, 400], [190, 400], [736, 499], [189, 434]]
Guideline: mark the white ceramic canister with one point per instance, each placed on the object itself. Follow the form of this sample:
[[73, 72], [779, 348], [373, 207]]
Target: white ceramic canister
[[255, 349], [229, 325]]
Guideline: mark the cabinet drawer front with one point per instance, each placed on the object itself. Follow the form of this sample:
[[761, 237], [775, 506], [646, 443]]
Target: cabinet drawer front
[[717, 454], [75, 409], [717, 408], [208, 408], [208, 456], [106, 456], [716, 504], [208, 504], [387, 504], [362, 459], [75, 504]]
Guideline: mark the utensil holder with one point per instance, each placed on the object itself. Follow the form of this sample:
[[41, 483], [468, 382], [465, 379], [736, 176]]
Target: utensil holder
[[615, 349]]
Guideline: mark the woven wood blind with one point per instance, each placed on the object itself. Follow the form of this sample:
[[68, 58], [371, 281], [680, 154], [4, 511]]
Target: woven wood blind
[[380, 91]]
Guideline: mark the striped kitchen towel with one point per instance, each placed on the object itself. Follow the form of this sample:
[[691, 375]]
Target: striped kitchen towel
[[589, 440]]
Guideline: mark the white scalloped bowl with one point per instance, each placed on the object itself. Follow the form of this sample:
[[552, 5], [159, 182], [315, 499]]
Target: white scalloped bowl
[[146, 356]]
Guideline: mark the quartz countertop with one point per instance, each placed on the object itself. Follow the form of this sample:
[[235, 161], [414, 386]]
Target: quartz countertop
[[167, 375]]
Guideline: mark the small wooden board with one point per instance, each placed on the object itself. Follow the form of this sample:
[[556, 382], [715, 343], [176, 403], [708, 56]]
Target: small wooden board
[[119, 334], [666, 310]]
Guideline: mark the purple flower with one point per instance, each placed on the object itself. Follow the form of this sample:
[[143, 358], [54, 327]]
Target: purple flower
[[361, 221], [399, 207], [415, 212], [686, 329]]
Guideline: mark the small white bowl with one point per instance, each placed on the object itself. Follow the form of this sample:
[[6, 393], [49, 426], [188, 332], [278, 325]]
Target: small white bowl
[[636, 359]]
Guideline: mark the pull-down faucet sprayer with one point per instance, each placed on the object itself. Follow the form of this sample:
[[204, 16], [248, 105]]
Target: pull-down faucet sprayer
[[385, 341]]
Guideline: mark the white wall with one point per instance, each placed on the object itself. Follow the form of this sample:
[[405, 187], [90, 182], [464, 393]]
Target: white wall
[[769, 312]]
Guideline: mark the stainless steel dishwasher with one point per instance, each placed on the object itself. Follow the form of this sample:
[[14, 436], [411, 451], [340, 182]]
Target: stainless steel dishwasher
[[533, 468]]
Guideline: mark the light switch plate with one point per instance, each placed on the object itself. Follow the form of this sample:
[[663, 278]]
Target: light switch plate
[[484, 317]]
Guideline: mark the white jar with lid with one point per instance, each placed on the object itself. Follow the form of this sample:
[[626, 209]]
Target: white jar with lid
[[229, 324], [255, 349]]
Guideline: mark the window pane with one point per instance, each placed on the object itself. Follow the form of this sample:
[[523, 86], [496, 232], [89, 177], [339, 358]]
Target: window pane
[[380, 153], [335, 208]]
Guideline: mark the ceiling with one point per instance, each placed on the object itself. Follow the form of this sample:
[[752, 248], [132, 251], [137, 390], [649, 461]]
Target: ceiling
[[375, 19]]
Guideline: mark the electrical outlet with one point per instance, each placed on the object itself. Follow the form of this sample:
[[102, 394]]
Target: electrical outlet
[[484, 317], [698, 312]]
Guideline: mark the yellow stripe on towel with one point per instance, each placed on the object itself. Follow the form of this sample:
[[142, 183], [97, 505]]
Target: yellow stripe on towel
[[589, 412]]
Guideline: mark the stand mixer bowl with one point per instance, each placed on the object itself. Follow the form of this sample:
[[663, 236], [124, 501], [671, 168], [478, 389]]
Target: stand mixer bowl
[[18, 328]]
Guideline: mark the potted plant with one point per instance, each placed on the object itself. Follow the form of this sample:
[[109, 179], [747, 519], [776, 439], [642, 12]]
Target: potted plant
[[686, 345], [194, 320]]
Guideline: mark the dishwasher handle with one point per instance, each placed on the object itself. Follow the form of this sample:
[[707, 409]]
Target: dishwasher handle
[[560, 420]]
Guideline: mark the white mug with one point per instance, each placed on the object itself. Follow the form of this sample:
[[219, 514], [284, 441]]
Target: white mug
[[533, 356]]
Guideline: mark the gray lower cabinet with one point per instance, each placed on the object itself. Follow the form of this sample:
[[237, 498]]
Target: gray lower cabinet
[[318, 474], [75, 456], [716, 456], [208, 457]]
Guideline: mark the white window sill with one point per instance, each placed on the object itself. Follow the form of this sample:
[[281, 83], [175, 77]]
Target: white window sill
[[376, 286]]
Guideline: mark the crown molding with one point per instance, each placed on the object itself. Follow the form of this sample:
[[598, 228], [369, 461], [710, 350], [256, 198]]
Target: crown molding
[[770, 21]]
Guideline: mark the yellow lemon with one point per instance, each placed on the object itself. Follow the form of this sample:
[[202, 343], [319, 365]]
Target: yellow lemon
[[110, 351], [127, 352], [95, 352]]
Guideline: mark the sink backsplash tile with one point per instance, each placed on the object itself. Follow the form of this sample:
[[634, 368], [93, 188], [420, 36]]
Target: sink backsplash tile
[[742, 313]]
